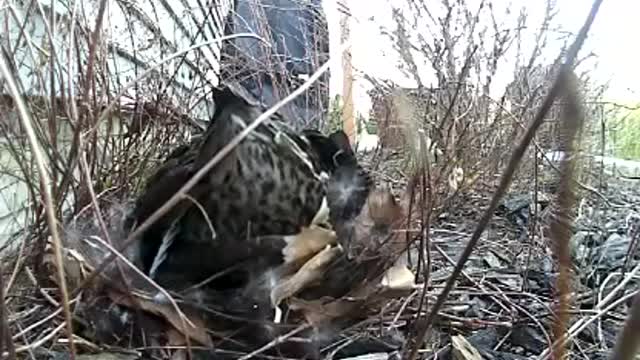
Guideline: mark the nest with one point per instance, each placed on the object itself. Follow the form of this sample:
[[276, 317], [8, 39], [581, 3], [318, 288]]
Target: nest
[[322, 288]]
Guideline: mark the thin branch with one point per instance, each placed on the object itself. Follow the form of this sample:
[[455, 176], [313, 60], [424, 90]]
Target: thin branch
[[629, 339], [45, 185]]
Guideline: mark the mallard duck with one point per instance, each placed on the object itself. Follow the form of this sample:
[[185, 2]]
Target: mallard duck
[[270, 186]]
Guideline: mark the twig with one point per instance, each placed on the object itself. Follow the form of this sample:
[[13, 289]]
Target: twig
[[46, 188], [40, 341], [5, 338], [44, 294], [46, 319], [599, 307], [154, 67], [579, 326], [629, 338], [552, 165], [18, 265], [275, 342], [95, 39], [112, 250]]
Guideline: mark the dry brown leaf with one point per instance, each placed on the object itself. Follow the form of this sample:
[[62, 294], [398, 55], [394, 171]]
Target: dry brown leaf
[[196, 332], [309, 272], [308, 242], [398, 277], [75, 265], [383, 208], [174, 339]]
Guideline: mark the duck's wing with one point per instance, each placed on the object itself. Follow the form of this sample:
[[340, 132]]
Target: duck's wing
[[269, 184], [274, 171], [163, 184]]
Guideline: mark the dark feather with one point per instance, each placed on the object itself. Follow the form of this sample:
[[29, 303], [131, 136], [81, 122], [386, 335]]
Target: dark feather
[[347, 192], [333, 151]]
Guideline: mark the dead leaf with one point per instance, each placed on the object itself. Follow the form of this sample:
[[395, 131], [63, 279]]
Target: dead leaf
[[398, 277], [379, 229], [363, 297], [75, 265], [196, 332], [308, 242], [175, 338], [309, 272]]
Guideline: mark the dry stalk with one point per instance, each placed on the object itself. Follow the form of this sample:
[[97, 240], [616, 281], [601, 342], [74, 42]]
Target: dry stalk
[[5, 336], [581, 325], [95, 40], [18, 265], [43, 340], [560, 227], [348, 119]]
